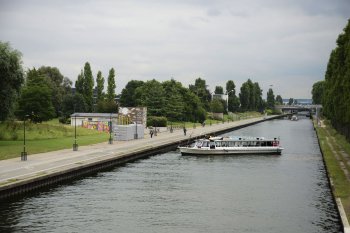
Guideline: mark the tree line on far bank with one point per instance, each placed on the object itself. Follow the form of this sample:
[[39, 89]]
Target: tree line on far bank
[[334, 91], [44, 93]]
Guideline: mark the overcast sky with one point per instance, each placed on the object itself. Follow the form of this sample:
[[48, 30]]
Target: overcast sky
[[281, 43]]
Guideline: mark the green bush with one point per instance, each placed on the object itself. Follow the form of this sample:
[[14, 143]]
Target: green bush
[[157, 121]]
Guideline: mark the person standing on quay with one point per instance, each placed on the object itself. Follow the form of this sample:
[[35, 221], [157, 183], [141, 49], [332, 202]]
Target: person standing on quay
[[185, 131]]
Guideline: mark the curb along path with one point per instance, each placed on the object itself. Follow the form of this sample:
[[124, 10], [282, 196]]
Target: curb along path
[[49, 168]]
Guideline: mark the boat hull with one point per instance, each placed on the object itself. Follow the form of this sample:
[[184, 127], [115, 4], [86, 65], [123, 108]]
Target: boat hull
[[231, 151]]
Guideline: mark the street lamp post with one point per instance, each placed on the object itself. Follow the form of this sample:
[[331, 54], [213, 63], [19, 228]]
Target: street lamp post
[[136, 135], [75, 145], [110, 141], [24, 152]]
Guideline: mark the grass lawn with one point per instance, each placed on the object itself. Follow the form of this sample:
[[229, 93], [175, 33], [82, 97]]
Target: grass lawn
[[44, 137], [341, 185]]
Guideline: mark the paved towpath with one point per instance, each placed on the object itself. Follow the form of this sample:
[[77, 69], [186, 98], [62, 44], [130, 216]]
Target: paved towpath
[[15, 170]]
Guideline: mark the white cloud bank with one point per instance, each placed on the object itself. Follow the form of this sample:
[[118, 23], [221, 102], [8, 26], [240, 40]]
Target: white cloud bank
[[281, 43]]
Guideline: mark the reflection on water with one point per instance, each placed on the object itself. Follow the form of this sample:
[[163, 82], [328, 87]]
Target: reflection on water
[[171, 193]]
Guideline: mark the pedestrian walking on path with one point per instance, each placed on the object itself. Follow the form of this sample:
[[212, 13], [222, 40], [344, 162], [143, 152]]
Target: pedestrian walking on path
[[185, 130], [151, 133]]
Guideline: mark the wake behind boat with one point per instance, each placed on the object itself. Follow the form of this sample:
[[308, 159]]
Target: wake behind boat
[[233, 145]]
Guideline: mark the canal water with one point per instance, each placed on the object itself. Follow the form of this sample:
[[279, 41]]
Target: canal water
[[174, 193]]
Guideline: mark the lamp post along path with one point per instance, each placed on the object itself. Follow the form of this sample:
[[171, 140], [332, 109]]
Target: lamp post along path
[[110, 141], [24, 152], [75, 145]]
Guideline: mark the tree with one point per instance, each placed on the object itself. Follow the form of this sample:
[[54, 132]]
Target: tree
[[100, 82], [290, 101], [59, 85], [88, 87], [35, 100], [152, 96], [11, 78], [317, 92], [336, 94], [258, 97], [200, 89], [219, 90], [270, 100], [279, 100], [111, 86], [231, 88], [79, 84], [233, 101], [107, 106], [244, 96], [73, 103], [127, 98], [174, 107], [217, 106]]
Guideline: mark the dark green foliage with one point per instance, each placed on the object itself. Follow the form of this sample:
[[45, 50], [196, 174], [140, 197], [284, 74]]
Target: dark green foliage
[[88, 87], [35, 100], [233, 100], [107, 106], [152, 96], [59, 85], [200, 89], [317, 92], [290, 101], [11, 78], [270, 100], [336, 94], [127, 98], [100, 82], [111, 86], [174, 102], [279, 100], [73, 103], [251, 96], [219, 90], [244, 96], [156, 121], [79, 84], [217, 106]]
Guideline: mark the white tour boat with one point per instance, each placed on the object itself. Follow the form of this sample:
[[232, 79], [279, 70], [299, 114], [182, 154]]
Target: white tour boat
[[233, 145]]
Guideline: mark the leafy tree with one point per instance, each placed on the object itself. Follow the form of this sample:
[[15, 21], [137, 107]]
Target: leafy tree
[[219, 90], [35, 100], [336, 94], [317, 92], [100, 82], [73, 103], [174, 108], [233, 101], [231, 88], [270, 100], [107, 106], [200, 89], [217, 106], [290, 101], [79, 84], [111, 86], [88, 87], [11, 78], [279, 100], [152, 96], [127, 97], [258, 98], [244, 96], [59, 85]]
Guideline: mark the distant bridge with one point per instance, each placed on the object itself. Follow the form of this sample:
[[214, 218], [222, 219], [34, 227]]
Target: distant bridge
[[298, 108]]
